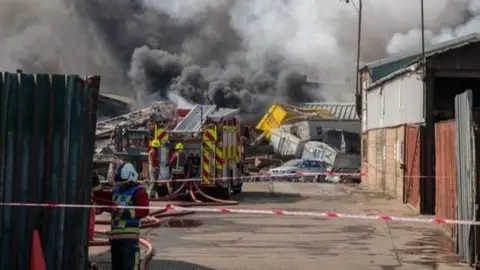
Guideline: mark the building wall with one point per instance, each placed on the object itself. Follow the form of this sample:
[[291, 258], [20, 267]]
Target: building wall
[[384, 160], [396, 102]]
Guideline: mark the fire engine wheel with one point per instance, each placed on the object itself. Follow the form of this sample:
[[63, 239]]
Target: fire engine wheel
[[237, 189], [224, 193], [162, 191]]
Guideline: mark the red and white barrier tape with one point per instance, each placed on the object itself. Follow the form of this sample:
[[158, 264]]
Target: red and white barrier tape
[[170, 207], [266, 175]]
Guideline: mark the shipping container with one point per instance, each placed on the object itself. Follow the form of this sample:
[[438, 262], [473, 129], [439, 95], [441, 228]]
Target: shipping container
[[445, 173], [286, 144], [412, 166], [46, 155], [320, 151]]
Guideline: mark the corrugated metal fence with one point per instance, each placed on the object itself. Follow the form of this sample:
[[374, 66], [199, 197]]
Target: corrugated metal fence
[[47, 124], [446, 187], [466, 173], [412, 166]]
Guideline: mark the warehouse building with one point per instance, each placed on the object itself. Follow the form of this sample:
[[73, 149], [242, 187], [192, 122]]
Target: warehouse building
[[401, 105]]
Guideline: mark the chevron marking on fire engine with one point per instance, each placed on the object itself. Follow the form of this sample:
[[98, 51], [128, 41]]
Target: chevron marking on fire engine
[[208, 139], [218, 157]]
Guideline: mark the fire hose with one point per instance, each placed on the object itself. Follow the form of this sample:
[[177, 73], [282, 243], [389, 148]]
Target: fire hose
[[156, 218], [192, 188]]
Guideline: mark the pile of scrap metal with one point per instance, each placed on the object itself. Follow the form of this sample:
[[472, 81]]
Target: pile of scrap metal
[[260, 153], [111, 139], [309, 133]]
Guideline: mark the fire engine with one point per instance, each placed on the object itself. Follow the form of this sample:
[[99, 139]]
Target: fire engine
[[212, 141]]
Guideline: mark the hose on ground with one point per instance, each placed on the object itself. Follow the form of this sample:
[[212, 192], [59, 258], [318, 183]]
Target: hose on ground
[[194, 188], [143, 261], [153, 220]]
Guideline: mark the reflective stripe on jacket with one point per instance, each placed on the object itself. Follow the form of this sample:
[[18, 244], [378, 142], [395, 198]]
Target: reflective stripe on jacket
[[179, 167], [123, 225]]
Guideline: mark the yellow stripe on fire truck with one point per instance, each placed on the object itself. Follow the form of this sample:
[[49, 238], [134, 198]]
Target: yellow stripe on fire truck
[[219, 156], [209, 138]]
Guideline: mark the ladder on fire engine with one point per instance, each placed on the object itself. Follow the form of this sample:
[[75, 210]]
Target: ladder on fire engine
[[163, 109]]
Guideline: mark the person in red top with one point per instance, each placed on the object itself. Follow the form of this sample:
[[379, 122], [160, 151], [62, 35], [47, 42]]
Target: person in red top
[[125, 225], [153, 163]]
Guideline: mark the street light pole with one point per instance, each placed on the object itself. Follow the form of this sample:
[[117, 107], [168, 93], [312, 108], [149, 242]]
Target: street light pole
[[422, 17], [358, 95]]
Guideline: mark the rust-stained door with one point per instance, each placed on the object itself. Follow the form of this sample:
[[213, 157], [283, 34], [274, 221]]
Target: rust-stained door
[[412, 166], [446, 181]]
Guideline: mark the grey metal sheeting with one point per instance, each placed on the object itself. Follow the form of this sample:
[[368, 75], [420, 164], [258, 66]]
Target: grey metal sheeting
[[47, 124], [342, 111], [194, 119], [466, 175]]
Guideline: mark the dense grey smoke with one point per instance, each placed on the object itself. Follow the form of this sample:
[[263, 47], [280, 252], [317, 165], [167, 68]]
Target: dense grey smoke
[[244, 53]]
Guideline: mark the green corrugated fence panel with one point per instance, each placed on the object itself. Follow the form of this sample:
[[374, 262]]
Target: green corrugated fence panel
[[47, 125]]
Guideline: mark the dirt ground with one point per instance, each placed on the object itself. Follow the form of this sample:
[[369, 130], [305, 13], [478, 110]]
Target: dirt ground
[[242, 241]]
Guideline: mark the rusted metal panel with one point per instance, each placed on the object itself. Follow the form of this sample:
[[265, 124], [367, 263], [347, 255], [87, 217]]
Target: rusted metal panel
[[48, 125], [412, 166], [446, 187]]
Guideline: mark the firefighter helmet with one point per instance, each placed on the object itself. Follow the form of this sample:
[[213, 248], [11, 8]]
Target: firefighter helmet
[[179, 146], [155, 143], [126, 172]]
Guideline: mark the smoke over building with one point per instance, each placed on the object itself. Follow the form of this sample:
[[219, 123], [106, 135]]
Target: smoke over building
[[234, 53]]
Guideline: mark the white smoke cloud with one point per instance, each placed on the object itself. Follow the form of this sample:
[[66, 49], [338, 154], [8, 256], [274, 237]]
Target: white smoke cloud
[[184, 10], [412, 40]]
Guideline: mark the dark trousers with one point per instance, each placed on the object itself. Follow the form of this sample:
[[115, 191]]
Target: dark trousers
[[125, 254]]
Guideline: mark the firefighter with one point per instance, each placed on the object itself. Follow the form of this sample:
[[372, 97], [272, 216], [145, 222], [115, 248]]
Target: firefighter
[[178, 162], [125, 224], [153, 163]]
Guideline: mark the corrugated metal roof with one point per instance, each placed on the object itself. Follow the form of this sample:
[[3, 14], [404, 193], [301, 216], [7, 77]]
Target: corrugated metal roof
[[195, 118], [342, 111], [46, 149], [429, 51]]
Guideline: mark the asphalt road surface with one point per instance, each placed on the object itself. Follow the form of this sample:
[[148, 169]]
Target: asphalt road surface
[[242, 241]]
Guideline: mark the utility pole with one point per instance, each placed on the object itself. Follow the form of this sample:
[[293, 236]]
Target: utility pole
[[424, 62], [358, 94]]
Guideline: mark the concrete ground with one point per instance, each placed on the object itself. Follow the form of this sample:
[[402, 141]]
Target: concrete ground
[[241, 241]]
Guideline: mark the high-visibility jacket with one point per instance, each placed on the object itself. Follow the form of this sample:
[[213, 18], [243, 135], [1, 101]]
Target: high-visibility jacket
[[127, 223], [177, 162]]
